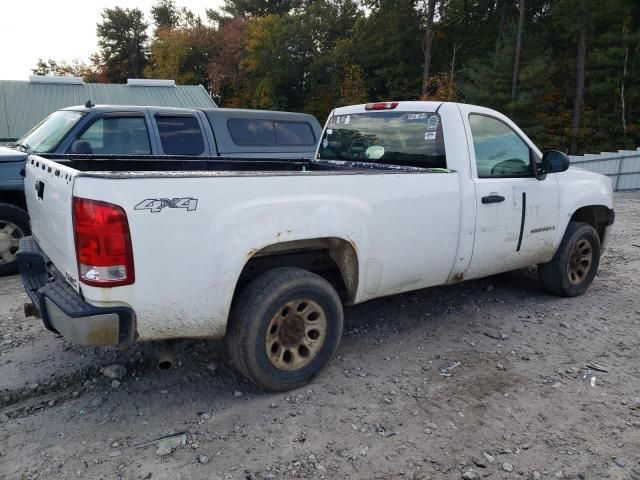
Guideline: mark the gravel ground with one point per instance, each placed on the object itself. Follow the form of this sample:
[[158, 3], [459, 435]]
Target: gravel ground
[[482, 379]]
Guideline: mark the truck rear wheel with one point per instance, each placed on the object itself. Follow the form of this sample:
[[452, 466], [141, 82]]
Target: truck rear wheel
[[284, 328], [575, 264], [14, 224]]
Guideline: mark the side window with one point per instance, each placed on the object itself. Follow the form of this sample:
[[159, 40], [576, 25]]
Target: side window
[[118, 136], [180, 135], [248, 132], [500, 152], [294, 133]]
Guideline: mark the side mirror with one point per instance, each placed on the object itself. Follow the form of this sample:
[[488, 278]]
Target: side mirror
[[555, 161], [81, 147]]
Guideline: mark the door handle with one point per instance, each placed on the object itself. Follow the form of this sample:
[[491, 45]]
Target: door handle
[[493, 199]]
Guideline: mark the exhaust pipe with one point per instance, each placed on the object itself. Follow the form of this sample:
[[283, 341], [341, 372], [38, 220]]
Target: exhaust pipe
[[165, 355]]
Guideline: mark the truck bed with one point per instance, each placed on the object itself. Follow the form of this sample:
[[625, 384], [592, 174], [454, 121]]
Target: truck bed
[[196, 225], [118, 166]]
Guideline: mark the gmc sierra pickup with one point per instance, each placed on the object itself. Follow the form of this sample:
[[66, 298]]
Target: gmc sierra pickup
[[400, 196], [123, 130]]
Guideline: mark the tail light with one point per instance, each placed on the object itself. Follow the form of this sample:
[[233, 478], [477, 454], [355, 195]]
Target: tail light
[[381, 106], [103, 243]]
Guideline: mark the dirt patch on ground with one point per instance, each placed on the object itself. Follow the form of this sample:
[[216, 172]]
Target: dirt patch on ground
[[487, 375]]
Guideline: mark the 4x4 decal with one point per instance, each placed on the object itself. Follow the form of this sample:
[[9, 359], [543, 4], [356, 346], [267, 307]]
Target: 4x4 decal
[[157, 204]]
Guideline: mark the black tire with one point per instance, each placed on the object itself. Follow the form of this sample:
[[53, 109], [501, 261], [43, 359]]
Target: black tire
[[557, 277], [11, 215], [251, 326]]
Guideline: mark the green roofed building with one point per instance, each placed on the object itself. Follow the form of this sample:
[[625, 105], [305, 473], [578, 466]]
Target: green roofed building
[[25, 103]]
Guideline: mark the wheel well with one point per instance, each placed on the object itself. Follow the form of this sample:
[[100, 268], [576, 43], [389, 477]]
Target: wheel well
[[595, 215], [334, 259], [14, 198]]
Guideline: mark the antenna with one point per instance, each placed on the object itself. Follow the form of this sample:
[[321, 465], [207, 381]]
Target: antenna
[[89, 104]]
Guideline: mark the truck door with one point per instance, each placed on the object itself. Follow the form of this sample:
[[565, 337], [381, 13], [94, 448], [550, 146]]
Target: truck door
[[113, 133], [516, 213]]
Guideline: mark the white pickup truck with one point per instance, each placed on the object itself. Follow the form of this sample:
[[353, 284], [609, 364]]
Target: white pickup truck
[[400, 196]]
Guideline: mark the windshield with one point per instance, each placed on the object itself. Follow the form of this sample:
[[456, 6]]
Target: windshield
[[393, 138], [46, 136]]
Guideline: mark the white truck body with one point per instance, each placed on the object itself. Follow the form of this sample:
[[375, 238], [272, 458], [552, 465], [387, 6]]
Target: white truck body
[[388, 230]]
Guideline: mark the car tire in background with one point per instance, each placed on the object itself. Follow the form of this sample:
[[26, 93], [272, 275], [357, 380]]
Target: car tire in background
[[284, 328], [575, 263], [14, 224]]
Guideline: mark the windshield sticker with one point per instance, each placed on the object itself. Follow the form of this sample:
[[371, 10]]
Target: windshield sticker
[[347, 120], [329, 131], [433, 122], [417, 116], [429, 135]]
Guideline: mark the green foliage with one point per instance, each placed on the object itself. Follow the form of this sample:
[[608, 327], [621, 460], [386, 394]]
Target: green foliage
[[183, 50], [122, 38], [257, 8], [353, 90], [387, 45], [292, 61], [75, 68], [314, 55], [227, 81], [165, 14]]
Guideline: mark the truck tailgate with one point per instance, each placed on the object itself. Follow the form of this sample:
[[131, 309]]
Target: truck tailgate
[[49, 192]]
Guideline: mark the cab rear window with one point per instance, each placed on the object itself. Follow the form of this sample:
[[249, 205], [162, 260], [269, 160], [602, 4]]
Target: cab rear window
[[387, 137]]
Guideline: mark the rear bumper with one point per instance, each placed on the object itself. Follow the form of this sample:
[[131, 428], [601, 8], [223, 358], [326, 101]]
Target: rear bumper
[[63, 310]]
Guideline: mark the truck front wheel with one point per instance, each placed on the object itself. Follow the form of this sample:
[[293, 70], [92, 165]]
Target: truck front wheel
[[575, 264], [284, 328], [14, 224]]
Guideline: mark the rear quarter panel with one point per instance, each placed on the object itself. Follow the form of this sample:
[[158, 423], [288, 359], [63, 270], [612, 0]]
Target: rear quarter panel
[[404, 228]]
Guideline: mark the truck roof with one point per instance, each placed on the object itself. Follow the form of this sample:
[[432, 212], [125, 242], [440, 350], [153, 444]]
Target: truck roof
[[403, 106], [210, 112]]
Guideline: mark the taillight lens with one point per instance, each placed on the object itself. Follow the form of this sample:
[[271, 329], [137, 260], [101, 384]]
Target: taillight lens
[[381, 106], [103, 243]]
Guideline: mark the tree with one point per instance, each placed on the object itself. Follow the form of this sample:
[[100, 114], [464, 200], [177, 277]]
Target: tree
[[353, 90], [386, 45], [122, 39], [581, 63], [165, 14], [76, 68], [225, 74], [518, 52], [254, 8], [275, 62], [428, 45], [183, 52], [296, 61]]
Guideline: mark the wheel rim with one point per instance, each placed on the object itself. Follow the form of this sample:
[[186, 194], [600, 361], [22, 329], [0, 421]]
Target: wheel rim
[[10, 235], [580, 261], [296, 334]]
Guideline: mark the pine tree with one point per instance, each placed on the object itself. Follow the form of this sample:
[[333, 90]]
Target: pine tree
[[122, 39]]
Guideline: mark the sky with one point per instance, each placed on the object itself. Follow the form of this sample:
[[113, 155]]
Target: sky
[[59, 29]]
